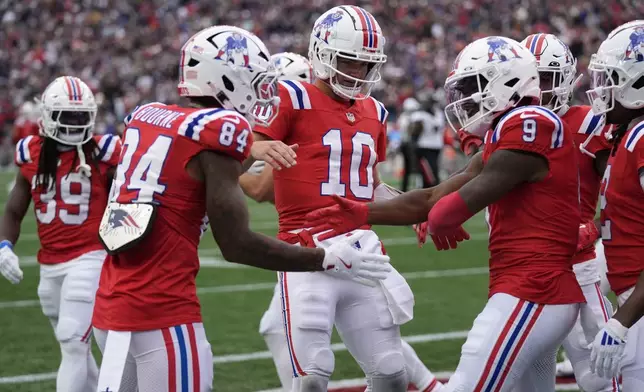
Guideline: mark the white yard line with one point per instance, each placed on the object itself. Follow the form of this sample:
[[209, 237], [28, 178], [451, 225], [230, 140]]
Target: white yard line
[[430, 274]]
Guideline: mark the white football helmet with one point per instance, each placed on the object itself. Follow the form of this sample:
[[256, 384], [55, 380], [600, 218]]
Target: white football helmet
[[557, 69], [347, 33], [489, 76], [617, 69], [233, 66], [68, 111], [292, 66]]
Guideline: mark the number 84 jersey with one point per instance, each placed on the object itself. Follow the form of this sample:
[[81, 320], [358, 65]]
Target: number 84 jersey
[[339, 145], [69, 213]]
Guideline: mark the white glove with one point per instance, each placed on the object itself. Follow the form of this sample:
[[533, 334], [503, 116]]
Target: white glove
[[9, 267], [349, 262], [256, 168], [607, 349]]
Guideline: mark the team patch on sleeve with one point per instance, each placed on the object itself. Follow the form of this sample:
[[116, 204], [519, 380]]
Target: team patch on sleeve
[[299, 96], [108, 148], [382, 112], [634, 136], [23, 153]]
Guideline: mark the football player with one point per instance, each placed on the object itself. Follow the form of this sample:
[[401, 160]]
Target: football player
[[257, 183], [617, 74], [67, 172], [523, 177], [179, 163], [341, 134], [558, 77]]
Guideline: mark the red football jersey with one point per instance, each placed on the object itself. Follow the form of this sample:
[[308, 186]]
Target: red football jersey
[[582, 122], [69, 214], [152, 285], [622, 214], [24, 128], [339, 146], [533, 228]]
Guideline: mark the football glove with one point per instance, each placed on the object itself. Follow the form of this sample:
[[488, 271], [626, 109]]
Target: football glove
[[607, 349], [343, 217], [346, 261], [9, 267]]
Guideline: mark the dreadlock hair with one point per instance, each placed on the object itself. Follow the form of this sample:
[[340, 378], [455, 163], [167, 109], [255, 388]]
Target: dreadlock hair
[[48, 161], [617, 136]]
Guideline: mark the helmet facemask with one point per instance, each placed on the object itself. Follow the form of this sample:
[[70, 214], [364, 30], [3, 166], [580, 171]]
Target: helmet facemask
[[604, 80], [344, 84], [69, 127], [469, 104], [557, 85]]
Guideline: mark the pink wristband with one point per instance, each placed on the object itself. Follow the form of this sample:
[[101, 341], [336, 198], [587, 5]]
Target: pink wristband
[[448, 214]]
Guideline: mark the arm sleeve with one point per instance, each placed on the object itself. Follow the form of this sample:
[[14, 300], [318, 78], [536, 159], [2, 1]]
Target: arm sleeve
[[108, 149], [25, 151], [229, 134]]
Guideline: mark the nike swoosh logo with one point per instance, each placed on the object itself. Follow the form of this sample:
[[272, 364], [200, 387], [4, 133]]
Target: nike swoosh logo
[[525, 115], [348, 266], [557, 56]]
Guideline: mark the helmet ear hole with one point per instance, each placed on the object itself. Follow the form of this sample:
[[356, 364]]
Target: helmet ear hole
[[193, 63], [639, 83], [510, 83]]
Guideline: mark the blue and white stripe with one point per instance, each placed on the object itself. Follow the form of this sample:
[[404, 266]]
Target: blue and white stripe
[[106, 147], [197, 121], [22, 151], [557, 133], [592, 124], [383, 113], [297, 92], [634, 136]]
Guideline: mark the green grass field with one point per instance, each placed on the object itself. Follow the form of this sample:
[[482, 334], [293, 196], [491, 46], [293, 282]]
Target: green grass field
[[232, 313]]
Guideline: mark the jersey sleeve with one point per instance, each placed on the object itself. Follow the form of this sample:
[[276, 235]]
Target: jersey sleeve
[[635, 145], [292, 96], [220, 130], [531, 129], [108, 149], [593, 124], [381, 114], [25, 151]]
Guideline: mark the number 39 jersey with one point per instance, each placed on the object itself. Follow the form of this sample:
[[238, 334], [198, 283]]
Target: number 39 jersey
[[339, 145], [69, 213], [533, 228], [152, 285], [622, 214]]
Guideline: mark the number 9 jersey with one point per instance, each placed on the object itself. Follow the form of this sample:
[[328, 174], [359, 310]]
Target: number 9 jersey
[[339, 145], [152, 284], [69, 213]]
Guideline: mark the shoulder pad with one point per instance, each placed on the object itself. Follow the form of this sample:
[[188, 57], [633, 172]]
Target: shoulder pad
[[634, 136], [24, 150], [108, 147], [297, 93], [381, 111]]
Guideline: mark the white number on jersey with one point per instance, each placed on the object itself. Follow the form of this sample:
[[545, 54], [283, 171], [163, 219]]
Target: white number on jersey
[[529, 130], [47, 214], [228, 133], [336, 185], [146, 174], [605, 229]]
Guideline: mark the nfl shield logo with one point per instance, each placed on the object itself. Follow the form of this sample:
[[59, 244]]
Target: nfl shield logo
[[351, 117]]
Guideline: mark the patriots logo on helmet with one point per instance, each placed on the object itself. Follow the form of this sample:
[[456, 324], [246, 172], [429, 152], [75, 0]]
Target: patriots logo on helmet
[[323, 29], [120, 218], [635, 48], [235, 50], [499, 49]]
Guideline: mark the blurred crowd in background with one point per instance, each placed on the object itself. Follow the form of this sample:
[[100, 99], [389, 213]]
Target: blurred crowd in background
[[127, 51]]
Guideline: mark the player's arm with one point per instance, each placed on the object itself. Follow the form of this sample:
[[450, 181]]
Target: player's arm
[[258, 187], [228, 215], [15, 210], [601, 160]]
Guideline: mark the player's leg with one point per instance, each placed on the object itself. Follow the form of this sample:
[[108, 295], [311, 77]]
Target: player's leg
[[633, 359], [507, 337], [540, 376], [576, 347], [73, 331], [417, 373], [308, 309], [128, 379], [271, 327], [178, 358], [367, 328]]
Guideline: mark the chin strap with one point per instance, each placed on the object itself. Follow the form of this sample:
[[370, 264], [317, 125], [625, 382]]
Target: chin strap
[[83, 168]]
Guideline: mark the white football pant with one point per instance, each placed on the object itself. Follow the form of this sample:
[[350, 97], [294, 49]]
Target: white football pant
[[175, 359], [512, 344], [67, 291], [632, 367]]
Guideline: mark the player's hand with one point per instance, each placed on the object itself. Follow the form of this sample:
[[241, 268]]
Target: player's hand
[[588, 234], [341, 218], [421, 233], [446, 241], [9, 267], [607, 349], [343, 258], [275, 153]]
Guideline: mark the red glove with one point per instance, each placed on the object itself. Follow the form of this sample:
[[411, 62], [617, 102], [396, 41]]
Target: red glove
[[341, 218], [588, 234], [450, 241], [470, 143], [421, 233]]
